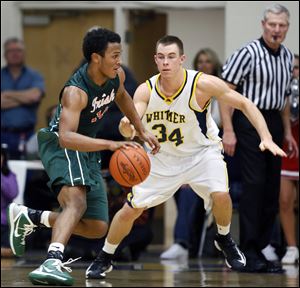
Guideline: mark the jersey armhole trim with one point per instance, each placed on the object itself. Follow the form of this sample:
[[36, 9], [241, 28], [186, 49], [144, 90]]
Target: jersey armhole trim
[[193, 97], [148, 82], [62, 90]]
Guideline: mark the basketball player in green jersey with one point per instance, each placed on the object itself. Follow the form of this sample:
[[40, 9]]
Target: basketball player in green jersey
[[70, 154]]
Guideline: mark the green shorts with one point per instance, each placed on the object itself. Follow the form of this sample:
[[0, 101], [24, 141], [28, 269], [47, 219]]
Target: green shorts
[[74, 168]]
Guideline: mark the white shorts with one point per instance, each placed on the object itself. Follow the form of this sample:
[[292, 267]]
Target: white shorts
[[205, 172]]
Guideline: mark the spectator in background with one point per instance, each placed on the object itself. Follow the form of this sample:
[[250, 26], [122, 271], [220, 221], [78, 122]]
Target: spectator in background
[[290, 177], [254, 71], [21, 91], [9, 191], [207, 61]]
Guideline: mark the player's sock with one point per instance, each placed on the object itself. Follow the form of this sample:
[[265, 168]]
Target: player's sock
[[109, 248], [56, 251], [223, 230], [39, 217]]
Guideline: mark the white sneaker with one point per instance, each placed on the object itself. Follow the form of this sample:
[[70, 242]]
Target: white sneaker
[[269, 253], [291, 256], [174, 252], [20, 226]]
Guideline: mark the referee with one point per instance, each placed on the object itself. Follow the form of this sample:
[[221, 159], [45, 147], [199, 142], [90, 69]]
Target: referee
[[261, 71]]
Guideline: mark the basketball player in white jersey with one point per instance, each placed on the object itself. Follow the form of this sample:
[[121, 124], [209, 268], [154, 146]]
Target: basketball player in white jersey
[[175, 106]]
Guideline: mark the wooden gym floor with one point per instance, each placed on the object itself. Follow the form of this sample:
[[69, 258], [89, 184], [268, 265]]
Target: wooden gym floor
[[150, 271]]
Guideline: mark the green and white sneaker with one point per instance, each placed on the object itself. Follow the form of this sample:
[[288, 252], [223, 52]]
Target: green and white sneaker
[[20, 226], [50, 273]]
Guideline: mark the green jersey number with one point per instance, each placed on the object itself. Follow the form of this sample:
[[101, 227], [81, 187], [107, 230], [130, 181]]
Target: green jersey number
[[175, 135]]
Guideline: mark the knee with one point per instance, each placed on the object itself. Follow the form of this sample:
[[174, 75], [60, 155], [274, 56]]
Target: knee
[[74, 199], [77, 204], [128, 213]]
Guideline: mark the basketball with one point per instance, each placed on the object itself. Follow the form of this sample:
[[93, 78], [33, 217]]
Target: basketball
[[130, 166]]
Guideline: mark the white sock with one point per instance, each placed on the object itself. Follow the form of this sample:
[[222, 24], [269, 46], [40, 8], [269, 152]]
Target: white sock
[[45, 218], [56, 246], [223, 230], [109, 248]]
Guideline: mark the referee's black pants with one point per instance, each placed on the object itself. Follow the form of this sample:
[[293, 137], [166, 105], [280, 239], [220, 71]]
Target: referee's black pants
[[260, 171]]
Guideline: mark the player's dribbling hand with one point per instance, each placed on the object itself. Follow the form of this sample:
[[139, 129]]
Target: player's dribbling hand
[[272, 147], [123, 144]]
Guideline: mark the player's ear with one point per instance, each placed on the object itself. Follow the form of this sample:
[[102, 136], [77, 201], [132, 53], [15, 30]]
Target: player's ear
[[96, 58], [182, 58]]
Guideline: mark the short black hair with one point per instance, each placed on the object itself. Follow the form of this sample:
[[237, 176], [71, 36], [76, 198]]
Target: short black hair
[[96, 41], [168, 40]]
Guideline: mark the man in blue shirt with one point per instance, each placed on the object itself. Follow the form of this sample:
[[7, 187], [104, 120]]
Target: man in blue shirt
[[21, 91]]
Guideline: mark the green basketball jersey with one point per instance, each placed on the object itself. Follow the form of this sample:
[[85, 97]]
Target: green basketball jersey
[[99, 100]]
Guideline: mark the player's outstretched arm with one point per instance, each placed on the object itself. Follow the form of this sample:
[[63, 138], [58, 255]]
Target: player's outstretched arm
[[213, 86]]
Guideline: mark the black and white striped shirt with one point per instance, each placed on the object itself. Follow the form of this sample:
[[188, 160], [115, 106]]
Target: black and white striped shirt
[[261, 74]]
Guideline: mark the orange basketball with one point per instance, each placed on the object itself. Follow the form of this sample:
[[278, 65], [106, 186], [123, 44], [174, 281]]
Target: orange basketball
[[130, 166]]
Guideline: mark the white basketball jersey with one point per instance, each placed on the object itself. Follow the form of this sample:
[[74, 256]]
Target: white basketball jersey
[[180, 125]]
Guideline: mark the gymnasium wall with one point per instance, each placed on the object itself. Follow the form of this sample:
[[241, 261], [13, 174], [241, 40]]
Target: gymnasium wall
[[198, 29]]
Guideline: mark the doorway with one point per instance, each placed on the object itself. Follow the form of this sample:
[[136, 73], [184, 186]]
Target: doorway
[[145, 28]]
